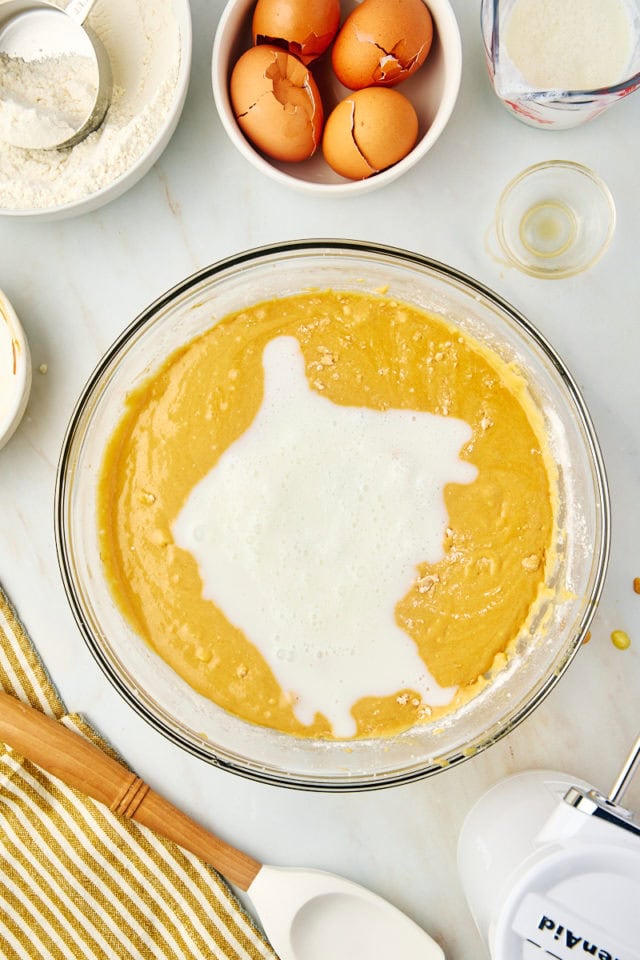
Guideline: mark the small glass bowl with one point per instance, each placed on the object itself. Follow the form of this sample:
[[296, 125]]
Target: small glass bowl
[[555, 219]]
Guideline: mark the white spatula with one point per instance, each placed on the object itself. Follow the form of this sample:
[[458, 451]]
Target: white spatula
[[306, 914]]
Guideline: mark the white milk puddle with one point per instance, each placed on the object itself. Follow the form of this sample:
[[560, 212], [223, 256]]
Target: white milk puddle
[[308, 531]]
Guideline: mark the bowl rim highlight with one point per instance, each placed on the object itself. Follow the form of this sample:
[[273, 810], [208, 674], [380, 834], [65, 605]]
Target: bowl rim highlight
[[157, 714]]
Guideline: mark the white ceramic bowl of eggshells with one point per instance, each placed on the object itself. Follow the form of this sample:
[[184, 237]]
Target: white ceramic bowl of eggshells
[[433, 91], [155, 99], [15, 371]]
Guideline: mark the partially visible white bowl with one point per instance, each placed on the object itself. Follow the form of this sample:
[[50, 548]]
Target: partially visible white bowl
[[15, 370], [141, 166], [433, 90]]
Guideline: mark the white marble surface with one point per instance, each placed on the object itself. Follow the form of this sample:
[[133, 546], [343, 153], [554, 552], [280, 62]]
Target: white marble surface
[[76, 283]]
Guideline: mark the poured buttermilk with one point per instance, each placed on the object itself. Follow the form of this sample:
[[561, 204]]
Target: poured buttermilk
[[308, 530]]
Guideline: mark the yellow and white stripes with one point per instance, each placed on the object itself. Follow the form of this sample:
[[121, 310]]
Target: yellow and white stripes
[[77, 881], [21, 670]]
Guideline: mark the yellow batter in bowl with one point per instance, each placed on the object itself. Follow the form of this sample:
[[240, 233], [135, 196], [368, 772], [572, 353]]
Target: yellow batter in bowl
[[463, 612]]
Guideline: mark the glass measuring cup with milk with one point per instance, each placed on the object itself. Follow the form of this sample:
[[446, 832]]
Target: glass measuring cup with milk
[[559, 63]]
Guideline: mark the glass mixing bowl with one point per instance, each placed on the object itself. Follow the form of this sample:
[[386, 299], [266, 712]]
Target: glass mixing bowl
[[543, 652]]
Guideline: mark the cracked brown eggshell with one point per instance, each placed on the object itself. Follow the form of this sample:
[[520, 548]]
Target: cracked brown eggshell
[[276, 103], [382, 42], [369, 131], [303, 27]]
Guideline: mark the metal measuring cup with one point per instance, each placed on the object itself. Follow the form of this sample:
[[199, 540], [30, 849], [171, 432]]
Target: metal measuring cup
[[55, 75]]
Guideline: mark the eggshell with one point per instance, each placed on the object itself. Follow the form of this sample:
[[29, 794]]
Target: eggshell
[[277, 103], [369, 131], [382, 43], [303, 27]]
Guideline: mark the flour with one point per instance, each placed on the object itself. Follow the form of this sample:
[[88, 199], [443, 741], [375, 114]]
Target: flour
[[46, 100], [142, 39]]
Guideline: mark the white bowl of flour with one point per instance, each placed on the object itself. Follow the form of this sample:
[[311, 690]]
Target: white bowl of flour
[[149, 46]]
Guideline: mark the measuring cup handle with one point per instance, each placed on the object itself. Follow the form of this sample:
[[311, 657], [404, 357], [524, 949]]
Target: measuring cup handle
[[79, 10]]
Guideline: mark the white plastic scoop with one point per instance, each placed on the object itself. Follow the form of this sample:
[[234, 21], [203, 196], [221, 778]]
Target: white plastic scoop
[[306, 914], [55, 74]]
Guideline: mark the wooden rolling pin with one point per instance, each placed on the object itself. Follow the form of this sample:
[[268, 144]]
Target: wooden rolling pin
[[78, 763]]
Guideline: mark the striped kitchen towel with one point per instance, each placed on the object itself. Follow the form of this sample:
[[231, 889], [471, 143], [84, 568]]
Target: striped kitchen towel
[[77, 881]]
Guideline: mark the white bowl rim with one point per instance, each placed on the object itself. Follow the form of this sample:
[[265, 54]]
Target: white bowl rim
[[440, 9], [143, 164], [19, 395]]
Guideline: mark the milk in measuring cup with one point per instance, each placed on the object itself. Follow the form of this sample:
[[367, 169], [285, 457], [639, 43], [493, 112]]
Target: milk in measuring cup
[[558, 63]]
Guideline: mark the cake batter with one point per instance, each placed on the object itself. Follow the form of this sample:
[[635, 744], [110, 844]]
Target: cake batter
[[239, 582]]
